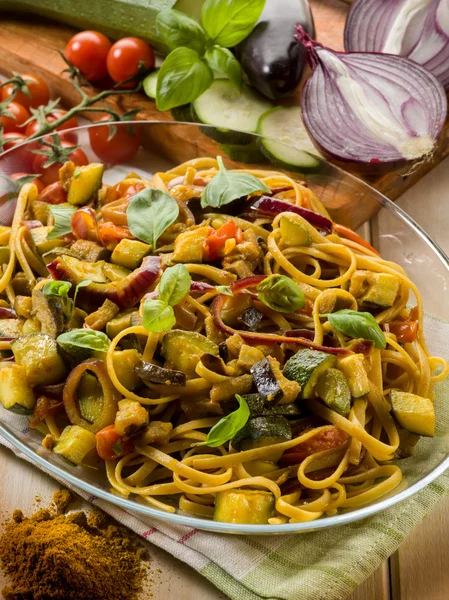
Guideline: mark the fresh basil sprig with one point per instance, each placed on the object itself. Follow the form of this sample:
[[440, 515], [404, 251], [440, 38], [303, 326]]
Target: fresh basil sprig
[[281, 293], [63, 215], [227, 186], [228, 426], [56, 288], [198, 50], [85, 338], [358, 325], [149, 213], [174, 286]]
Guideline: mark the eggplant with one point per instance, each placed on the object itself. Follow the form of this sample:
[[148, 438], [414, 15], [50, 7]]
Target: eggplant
[[155, 374], [270, 56], [250, 318]]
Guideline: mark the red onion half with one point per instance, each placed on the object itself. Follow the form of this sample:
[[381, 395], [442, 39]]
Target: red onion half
[[371, 110], [417, 29]]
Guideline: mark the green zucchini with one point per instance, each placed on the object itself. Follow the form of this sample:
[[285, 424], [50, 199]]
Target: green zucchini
[[246, 153], [75, 443], [262, 431], [293, 231], [353, 368], [119, 323], [333, 389], [305, 367], [114, 18], [252, 507], [130, 253], [285, 125], [183, 349], [15, 392], [85, 183], [258, 407], [90, 397], [414, 413], [38, 354]]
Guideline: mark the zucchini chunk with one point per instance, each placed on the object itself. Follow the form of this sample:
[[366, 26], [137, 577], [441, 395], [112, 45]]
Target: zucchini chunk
[[75, 443], [38, 354], [333, 389], [271, 382], [183, 350], [293, 230], [188, 246], [305, 367], [380, 289], [353, 368], [130, 253], [253, 507], [84, 183], [9, 328], [49, 312], [414, 413], [262, 431], [90, 398], [258, 407], [15, 392]]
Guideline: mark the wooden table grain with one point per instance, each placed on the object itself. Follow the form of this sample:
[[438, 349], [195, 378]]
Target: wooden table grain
[[417, 571]]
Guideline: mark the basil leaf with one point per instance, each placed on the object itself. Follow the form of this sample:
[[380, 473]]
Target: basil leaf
[[281, 293], [177, 29], [224, 289], [85, 338], [149, 214], [224, 62], [81, 284], [182, 78], [358, 325], [62, 214], [158, 316], [174, 285], [228, 426], [228, 22], [56, 288], [227, 186]]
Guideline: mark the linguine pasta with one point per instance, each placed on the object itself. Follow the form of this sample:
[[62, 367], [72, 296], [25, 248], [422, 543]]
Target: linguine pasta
[[331, 458]]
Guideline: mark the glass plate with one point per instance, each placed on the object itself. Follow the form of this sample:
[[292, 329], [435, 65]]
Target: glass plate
[[349, 201]]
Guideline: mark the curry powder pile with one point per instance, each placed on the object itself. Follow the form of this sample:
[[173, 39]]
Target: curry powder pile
[[70, 557]]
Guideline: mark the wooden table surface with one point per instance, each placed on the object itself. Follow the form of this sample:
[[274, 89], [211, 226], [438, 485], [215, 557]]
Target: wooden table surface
[[417, 571]]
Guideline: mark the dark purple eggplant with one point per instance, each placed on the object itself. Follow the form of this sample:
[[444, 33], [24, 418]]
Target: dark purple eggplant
[[155, 374], [270, 56]]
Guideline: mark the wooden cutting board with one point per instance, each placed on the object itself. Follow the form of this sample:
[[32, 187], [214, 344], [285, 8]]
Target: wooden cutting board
[[31, 44]]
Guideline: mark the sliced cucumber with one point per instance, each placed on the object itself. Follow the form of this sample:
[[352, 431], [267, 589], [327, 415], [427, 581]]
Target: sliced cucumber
[[285, 124], [227, 108], [248, 153], [150, 84]]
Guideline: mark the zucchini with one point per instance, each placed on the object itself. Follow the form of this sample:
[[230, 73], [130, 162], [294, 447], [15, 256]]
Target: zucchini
[[125, 362], [114, 18], [183, 350], [38, 354], [245, 153], [184, 113], [15, 392], [75, 443], [9, 328], [90, 397], [305, 367], [84, 183], [353, 368], [262, 431], [39, 237], [293, 230], [380, 289], [252, 507], [285, 125], [226, 107], [130, 253], [88, 250], [150, 84], [119, 323], [115, 272], [258, 407], [414, 413], [333, 389], [4, 255], [49, 311], [188, 246]]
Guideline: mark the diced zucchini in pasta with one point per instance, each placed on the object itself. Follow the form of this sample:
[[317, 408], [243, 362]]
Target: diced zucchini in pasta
[[75, 443]]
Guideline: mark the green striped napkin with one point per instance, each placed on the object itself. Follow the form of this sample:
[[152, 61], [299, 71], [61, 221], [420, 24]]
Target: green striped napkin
[[324, 565]]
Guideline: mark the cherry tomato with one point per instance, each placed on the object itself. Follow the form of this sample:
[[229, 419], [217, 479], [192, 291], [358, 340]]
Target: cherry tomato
[[19, 115], [38, 89], [124, 58], [326, 440], [53, 194], [88, 51], [51, 174], [33, 127], [110, 445], [37, 182], [121, 147], [110, 235], [15, 138], [22, 156]]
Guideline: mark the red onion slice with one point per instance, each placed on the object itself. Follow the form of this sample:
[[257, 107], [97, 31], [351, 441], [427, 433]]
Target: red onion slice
[[273, 207], [371, 109], [417, 29]]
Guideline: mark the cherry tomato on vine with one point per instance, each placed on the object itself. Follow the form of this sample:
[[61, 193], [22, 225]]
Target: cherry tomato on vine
[[33, 127], [14, 138], [124, 58], [122, 146], [53, 194], [22, 156], [19, 115], [37, 87], [88, 51], [51, 174]]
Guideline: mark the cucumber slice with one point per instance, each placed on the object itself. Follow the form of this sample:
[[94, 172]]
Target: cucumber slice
[[150, 84], [248, 154], [285, 124], [226, 107]]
